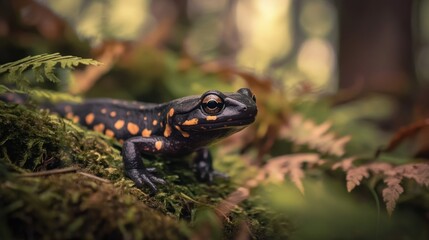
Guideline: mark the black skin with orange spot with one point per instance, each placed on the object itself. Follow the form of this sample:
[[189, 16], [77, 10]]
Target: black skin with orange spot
[[170, 137]]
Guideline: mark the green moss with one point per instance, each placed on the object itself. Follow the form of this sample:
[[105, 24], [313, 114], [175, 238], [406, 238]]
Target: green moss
[[71, 206]]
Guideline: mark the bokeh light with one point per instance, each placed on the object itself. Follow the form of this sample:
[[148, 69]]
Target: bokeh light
[[265, 31], [316, 59]]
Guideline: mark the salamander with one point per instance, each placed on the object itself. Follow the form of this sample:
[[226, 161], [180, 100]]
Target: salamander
[[173, 129]]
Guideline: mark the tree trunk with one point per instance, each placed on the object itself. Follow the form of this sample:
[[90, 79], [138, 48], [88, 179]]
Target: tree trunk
[[375, 45]]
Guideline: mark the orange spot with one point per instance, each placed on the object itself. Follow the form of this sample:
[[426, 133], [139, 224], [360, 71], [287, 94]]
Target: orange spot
[[113, 114], [146, 132], [154, 122], [132, 128], [103, 111], [158, 145], [159, 114], [171, 112], [119, 124], [69, 115], [99, 127], [211, 118], [145, 118], [89, 118], [121, 141], [191, 122], [128, 113], [75, 119], [184, 134], [109, 133], [167, 131]]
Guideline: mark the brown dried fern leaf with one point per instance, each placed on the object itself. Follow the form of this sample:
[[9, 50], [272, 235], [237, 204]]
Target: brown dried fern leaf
[[344, 164], [306, 132], [392, 176], [392, 192], [355, 175], [277, 168], [274, 171], [419, 172]]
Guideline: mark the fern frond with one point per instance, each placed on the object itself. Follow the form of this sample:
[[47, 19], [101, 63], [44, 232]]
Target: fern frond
[[392, 177], [318, 137], [392, 192], [42, 66], [4, 89], [356, 174], [52, 96], [277, 168], [344, 164]]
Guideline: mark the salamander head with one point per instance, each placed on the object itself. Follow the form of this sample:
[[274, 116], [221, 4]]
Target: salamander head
[[216, 113]]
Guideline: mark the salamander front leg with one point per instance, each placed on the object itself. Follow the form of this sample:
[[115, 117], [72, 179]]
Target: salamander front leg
[[203, 166], [134, 168]]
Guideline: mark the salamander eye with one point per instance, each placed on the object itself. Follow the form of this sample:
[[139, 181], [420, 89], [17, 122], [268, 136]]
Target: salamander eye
[[212, 104]]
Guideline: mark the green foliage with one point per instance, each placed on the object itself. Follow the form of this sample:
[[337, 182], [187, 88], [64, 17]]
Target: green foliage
[[52, 96], [40, 67]]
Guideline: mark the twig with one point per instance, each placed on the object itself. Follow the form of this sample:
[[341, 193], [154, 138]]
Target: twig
[[62, 171], [50, 172], [402, 134], [93, 177]]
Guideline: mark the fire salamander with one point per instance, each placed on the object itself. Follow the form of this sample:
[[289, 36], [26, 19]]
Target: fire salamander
[[173, 129]]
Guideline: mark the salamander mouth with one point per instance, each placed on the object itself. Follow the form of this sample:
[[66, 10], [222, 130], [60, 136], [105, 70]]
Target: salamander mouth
[[216, 125]]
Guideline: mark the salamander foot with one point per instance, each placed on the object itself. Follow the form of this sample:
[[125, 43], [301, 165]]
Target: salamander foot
[[141, 177]]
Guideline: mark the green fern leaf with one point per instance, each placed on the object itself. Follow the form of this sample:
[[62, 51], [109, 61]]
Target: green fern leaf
[[42, 67], [42, 95]]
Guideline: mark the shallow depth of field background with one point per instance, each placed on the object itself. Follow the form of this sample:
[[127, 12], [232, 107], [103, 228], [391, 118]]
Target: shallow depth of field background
[[361, 65]]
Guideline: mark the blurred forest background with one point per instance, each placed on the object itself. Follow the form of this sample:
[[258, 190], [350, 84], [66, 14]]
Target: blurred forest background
[[335, 82]]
